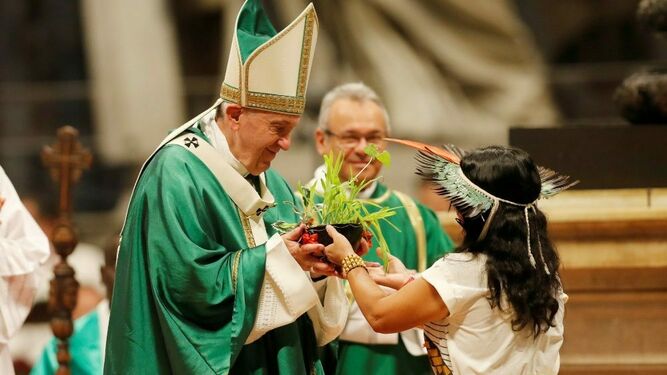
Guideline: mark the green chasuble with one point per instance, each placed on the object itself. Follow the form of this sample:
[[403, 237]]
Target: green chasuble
[[385, 359], [188, 282]]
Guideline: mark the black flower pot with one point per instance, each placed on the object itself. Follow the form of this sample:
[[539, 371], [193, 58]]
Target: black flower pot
[[351, 231]]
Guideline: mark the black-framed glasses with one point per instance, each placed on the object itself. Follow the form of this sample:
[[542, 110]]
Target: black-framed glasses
[[352, 140]]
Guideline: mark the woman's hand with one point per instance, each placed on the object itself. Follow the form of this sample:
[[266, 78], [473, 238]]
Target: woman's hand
[[395, 265], [397, 274], [391, 280], [339, 249]]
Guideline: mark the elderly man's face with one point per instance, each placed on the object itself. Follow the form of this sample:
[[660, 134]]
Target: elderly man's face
[[257, 136], [351, 126]]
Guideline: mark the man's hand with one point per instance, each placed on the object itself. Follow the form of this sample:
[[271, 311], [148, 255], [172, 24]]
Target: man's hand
[[309, 256]]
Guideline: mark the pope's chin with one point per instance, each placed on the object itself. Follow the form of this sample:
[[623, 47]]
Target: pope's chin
[[264, 163]]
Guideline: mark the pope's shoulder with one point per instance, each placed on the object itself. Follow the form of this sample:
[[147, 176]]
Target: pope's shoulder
[[172, 163], [276, 180], [172, 156]]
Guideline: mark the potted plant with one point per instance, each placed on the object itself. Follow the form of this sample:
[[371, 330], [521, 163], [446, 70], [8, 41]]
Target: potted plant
[[334, 202]]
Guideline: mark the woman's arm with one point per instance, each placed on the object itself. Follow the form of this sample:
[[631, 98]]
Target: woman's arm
[[411, 306]]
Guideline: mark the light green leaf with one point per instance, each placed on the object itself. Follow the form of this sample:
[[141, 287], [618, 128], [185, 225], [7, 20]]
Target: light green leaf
[[384, 157], [283, 227], [371, 150]]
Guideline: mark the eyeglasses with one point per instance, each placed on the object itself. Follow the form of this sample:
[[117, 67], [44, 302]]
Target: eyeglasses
[[352, 140]]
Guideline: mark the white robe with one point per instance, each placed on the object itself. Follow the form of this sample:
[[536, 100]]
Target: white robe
[[23, 247]]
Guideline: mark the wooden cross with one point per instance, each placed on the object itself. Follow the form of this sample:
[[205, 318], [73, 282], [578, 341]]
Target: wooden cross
[[66, 160]]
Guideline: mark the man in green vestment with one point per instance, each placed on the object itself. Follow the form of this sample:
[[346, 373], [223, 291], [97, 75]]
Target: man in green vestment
[[204, 284], [351, 117]]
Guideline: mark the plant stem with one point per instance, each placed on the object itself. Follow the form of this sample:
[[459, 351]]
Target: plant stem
[[362, 169]]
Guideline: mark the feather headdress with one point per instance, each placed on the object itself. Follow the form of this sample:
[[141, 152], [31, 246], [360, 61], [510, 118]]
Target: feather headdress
[[442, 167]]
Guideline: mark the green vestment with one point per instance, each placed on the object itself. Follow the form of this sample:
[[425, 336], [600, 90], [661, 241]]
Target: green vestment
[[357, 358], [188, 281]]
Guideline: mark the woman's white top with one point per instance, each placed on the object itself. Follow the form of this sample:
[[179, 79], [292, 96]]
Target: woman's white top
[[476, 339]]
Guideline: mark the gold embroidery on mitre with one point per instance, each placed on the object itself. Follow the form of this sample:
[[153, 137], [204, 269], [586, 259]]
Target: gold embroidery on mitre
[[270, 102], [276, 103], [230, 93], [305, 55], [279, 103]]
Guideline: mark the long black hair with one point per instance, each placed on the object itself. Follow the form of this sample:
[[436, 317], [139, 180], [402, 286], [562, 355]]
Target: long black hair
[[511, 174]]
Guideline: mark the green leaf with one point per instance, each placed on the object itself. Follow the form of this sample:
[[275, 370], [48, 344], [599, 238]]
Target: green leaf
[[384, 157], [283, 227], [371, 150]]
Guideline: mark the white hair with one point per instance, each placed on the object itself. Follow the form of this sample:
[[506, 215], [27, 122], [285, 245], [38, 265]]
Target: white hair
[[221, 109], [356, 91]]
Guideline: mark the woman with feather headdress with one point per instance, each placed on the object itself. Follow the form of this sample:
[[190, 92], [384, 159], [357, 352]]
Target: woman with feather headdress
[[495, 305]]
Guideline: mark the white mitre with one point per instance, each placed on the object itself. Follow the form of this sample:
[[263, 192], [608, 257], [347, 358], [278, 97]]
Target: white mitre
[[269, 70]]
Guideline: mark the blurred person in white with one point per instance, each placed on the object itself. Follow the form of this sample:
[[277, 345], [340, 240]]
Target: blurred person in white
[[23, 247], [86, 259]]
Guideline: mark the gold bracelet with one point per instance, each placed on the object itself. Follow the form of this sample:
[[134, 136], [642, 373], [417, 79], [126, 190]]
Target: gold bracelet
[[351, 262]]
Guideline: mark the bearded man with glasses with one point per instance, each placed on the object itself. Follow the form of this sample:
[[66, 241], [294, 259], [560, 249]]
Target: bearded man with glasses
[[352, 116]]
